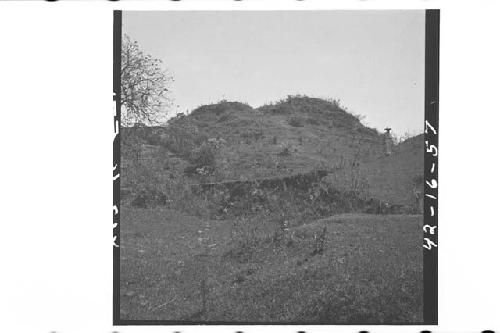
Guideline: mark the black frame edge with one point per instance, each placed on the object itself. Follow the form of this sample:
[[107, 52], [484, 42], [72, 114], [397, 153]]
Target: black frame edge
[[430, 258], [117, 41], [432, 20]]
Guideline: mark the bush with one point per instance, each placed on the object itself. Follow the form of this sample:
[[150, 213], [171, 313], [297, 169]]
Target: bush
[[285, 152], [252, 134], [224, 118], [203, 156], [139, 201], [202, 161], [143, 185], [312, 121], [153, 139], [183, 136], [296, 122], [320, 241]]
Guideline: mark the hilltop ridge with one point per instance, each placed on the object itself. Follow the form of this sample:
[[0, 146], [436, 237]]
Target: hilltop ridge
[[295, 135]]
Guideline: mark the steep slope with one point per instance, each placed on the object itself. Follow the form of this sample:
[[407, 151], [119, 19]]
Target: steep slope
[[295, 135], [393, 178]]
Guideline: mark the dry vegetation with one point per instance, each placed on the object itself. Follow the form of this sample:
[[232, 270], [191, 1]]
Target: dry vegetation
[[286, 252], [344, 269]]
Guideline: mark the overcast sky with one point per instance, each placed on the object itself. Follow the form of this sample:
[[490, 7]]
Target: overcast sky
[[373, 61]]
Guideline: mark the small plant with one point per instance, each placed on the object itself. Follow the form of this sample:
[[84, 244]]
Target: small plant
[[139, 201], [202, 161], [282, 226], [320, 241], [252, 135], [276, 237], [286, 150]]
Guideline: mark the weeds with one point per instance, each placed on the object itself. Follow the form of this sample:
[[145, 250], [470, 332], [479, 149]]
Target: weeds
[[204, 295], [320, 241], [342, 271], [286, 150], [296, 122]]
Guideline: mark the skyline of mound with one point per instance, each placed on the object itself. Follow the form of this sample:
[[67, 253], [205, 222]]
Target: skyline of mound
[[295, 135], [399, 135]]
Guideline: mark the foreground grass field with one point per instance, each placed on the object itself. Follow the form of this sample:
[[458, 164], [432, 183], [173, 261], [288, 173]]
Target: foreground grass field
[[350, 268]]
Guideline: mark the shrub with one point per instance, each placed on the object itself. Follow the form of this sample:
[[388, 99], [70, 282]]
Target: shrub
[[203, 156], [144, 186], [320, 241], [139, 201], [296, 122], [252, 134], [183, 136], [224, 117], [153, 139], [285, 152], [202, 161]]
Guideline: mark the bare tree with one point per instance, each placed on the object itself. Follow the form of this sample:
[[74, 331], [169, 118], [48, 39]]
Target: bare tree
[[144, 91]]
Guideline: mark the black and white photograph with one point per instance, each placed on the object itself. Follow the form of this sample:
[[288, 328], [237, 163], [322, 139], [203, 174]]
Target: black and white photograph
[[249, 166], [272, 167]]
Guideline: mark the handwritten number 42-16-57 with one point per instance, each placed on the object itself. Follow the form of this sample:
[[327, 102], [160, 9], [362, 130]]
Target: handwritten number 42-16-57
[[430, 231]]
